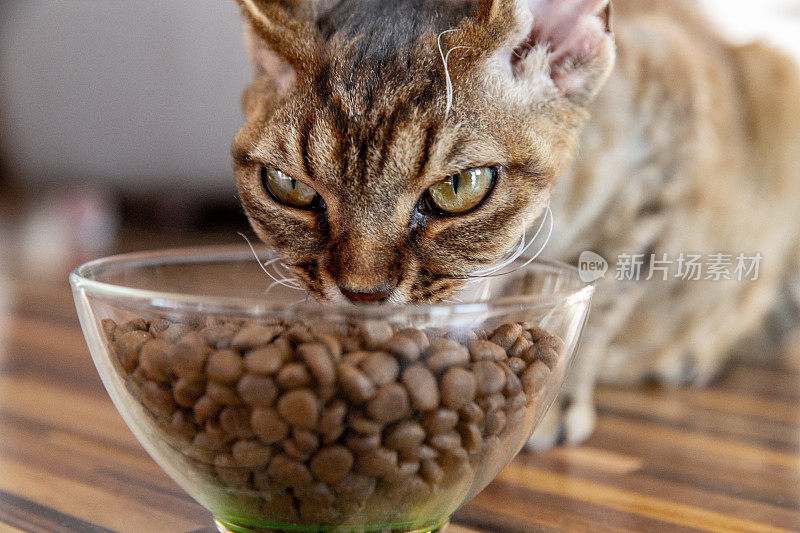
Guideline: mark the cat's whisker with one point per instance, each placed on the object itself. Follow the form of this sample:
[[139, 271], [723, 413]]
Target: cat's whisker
[[447, 79], [286, 282], [495, 270]]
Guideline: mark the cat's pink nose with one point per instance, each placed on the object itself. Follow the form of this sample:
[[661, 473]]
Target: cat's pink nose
[[365, 297]]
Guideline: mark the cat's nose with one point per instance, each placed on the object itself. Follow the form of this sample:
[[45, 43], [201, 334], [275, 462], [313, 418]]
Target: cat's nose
[[365, 296]]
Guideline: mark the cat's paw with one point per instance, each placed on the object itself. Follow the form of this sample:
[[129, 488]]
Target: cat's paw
[[567, 422]]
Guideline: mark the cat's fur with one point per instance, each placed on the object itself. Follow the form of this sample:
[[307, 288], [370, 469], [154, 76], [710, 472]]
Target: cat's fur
[[690, 148]]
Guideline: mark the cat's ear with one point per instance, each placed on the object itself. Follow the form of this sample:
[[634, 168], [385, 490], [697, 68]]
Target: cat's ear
[[573, 38], [284, 27]]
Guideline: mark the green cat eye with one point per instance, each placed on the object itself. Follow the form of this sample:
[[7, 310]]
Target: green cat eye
[[286, 189], [463, 191]]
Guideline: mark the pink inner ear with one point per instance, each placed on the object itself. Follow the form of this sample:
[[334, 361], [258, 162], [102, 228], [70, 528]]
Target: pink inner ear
[[571, 28]]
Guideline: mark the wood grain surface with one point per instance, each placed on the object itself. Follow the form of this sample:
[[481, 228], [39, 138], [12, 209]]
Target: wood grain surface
[[726, 458]]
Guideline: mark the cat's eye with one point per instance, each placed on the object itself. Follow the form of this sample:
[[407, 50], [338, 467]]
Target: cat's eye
[[463, 191], [287, 189]]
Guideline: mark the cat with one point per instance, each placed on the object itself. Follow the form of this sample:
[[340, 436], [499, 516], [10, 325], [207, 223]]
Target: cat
[[391, 148]]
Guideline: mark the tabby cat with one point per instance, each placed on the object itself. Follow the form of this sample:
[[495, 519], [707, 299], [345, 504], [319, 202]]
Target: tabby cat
[[392, 148]]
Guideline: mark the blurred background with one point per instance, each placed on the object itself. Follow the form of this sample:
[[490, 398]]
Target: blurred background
[[116, 120]]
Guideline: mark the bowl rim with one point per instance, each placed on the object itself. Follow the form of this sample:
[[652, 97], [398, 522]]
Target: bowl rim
[[253, 306]]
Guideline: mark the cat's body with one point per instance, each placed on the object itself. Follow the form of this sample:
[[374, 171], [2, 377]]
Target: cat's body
[[689, 149]]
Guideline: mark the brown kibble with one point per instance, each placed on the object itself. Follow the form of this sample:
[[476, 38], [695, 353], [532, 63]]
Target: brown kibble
[[332, 344], [257, 391], [289, 473], [187, 392], [299, 408], [189, 356], [268, 425], [219, 336], [447, 441], [319, 361], [471, 437], [506, 335], [471, 412], [266, 360], [251, 454], [405, 436], [224, 366], [175, 332], [293, 376], [222, 394], [492, 402], [418, 336], [456, 461], [137, 324], [331, 421], [363, 425], [431, 472], [551, 341], [462, 336], [158, 399], [547, 355], [520, 347], [440, 420], [128, 347], [355, 358], [109, 327], [318, 493], [516, 365], [403, 472], [513, 384], [251, 337], [495, 422], [423, 453], [517, 402], [390, 404], [450, 354], [489, 377], [377, 462], [356, 484], [299, 334], [291, 449], [350, 344], [458, 387], [306, 440], [331, 464], [404, 347], [534, 378], [235, 422], [157, 326], [208, 441], [422, 387], [357, 386], [155, 359], [483, 350], [182, 424], [206, 409], [375, 333], [359, 444], [381, 368]]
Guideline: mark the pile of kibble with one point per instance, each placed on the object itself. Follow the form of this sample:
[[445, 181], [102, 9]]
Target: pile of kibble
[[318, 421]]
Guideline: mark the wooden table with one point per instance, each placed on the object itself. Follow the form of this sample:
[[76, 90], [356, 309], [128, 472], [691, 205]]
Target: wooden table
[[722, 459]]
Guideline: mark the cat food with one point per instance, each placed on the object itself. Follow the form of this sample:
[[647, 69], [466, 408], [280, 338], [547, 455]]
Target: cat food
[[318, 423]]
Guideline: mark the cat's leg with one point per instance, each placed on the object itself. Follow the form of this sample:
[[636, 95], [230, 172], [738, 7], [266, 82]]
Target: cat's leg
[[719, 320], [572, 417]]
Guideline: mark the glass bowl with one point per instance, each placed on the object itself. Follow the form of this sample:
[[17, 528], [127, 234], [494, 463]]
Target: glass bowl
[[280, 413]]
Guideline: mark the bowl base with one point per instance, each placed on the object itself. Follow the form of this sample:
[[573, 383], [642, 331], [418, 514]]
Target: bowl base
[[226, 527]]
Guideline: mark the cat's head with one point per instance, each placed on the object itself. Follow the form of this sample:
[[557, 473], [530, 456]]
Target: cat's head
[[393, 148]]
